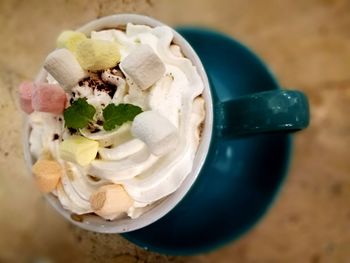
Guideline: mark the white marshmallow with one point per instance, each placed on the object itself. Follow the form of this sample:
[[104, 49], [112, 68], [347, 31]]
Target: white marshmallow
[[64, 67], [159, 134], [143, 66]]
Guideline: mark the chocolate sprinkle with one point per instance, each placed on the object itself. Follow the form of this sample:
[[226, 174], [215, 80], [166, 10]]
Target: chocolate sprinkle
[[99, 122], [81, 83], [72, 131], [106, 87], [95, 82]]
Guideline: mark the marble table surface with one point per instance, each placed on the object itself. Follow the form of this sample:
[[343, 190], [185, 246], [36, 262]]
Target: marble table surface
[[306, 44]]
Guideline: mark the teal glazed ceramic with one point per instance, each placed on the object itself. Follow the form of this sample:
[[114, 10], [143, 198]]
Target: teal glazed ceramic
[[242, 174]]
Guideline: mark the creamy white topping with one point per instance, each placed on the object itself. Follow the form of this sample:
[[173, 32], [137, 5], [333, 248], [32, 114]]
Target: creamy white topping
[[146, 178]]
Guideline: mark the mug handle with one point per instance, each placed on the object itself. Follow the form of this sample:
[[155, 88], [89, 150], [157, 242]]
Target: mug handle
[[263, 112]]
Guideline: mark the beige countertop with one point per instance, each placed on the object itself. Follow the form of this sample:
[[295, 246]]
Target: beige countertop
[[307, 45]]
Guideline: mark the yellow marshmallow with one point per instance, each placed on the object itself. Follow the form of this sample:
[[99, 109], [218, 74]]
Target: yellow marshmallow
[[95, 55], [78, 149], [70, 39]]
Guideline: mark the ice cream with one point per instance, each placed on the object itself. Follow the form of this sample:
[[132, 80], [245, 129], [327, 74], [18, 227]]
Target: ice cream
[[130, 127]]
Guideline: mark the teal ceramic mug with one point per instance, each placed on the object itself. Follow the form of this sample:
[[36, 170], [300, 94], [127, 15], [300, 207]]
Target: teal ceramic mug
[[250, 150], [242, 157]]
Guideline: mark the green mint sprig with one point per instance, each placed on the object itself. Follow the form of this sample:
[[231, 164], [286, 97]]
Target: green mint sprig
[[78, 114], [118, 114]]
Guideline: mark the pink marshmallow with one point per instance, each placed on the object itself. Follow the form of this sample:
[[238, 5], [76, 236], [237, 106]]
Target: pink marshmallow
[[49, 98], [25, 96]]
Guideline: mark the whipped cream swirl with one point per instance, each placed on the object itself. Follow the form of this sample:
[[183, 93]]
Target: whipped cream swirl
[[124, 159]]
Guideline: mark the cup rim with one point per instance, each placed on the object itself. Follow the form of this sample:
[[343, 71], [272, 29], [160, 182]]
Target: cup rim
[[95, 223]]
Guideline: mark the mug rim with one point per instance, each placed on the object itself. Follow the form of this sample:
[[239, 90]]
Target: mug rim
[[164, 206]]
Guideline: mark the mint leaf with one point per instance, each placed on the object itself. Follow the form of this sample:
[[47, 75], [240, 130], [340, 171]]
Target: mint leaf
[[118, 114], [79, 114]]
